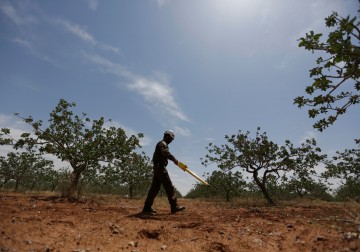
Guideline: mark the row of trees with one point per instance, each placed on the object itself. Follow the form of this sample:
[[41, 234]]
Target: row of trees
[[30, 171], [278, 172], [233, 185]]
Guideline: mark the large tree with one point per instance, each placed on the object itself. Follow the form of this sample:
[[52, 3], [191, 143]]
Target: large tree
[[75, 139], [261, 157], [336, 78]]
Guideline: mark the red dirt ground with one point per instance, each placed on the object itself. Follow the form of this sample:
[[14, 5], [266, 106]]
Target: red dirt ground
[[102, 223]]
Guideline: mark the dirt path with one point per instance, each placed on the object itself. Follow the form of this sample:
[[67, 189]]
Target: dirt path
[[40, 223]]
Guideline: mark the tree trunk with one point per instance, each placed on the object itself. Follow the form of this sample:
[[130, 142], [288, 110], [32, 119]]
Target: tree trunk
[[228, 195], [263, 188], [131, 191], [75, 178], [16, 185]]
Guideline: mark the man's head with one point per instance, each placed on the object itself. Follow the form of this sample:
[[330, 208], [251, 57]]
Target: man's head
[[169, 136]]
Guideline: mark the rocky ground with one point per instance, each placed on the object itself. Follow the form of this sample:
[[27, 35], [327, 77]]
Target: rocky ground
[[103, 223]]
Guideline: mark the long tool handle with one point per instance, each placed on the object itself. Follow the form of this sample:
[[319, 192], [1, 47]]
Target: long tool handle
[[184, 168]]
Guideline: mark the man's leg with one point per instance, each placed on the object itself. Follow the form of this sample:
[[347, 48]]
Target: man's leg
[[153, 191], [169, 188], [170, 192]]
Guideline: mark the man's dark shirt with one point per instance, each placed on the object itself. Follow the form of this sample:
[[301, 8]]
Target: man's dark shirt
[[162, 154]]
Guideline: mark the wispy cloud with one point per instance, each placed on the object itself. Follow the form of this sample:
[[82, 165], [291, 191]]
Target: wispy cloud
[[22, 42], [156, 91], [13, 14], [108, 66], [93, 4], [76, 30], [182, 131], [81, 32], [109, 48], [33, 51]]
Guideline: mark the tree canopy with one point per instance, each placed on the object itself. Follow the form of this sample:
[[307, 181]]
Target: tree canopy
[[75, 139], [336, 84], [261, 157]]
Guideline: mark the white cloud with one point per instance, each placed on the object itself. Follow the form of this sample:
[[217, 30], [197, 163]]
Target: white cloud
[[93, 4], [22, 42], [182, 131], [84, 35], [107, 66], [77, 30], [156, 91], [14, 15], [110, 48]]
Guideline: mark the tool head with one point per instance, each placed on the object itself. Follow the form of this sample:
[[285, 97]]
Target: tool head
[[182, 166]]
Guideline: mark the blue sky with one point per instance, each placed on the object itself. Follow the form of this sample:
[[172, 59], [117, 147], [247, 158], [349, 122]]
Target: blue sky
[[204, 68]]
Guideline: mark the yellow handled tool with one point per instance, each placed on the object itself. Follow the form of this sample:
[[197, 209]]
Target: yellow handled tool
[[185, 168]]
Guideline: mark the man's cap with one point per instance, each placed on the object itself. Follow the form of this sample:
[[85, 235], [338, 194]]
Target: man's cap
[[170, 133]]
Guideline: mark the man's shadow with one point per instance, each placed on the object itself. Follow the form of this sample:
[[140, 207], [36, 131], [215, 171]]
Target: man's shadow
[[141, 215]]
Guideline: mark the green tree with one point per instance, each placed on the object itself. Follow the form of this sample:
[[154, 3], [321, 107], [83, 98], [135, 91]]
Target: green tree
[[135, 173], [52, 180], [226, 183], [307, 187], [6, 173], [350, 189], [23, 167], [261, 157], [109, 178], [336, 83], [75, 139], [198, 191], [345, 166], [42, 168]]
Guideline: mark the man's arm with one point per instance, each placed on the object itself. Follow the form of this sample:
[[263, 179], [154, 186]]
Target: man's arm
[[166, 153]]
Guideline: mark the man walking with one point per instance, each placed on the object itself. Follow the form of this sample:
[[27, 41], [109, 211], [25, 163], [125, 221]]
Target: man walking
[[161, 176]]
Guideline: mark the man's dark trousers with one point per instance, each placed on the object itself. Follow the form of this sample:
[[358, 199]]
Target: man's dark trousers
[[161, 177]]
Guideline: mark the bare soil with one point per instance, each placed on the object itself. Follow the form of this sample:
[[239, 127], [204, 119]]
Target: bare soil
[[102, 223]]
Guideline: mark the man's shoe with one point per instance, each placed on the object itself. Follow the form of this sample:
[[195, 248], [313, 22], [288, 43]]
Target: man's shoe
[[148, 211], [177, 209]]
